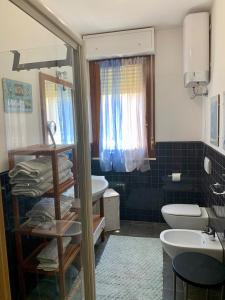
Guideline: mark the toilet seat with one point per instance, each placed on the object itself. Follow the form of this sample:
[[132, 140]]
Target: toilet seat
[[191, 210], [185, 216]]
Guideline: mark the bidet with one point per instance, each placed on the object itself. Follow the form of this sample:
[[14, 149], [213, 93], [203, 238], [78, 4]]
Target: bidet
[[176, 241]]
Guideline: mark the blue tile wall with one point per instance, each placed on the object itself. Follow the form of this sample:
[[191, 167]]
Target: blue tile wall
[[143, 194], [214, 203]]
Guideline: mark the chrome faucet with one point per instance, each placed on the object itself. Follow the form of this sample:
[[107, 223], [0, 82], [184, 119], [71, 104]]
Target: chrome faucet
[[210, 231]]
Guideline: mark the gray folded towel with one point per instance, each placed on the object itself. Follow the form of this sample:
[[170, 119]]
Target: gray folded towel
[[48, 257], [44, 210], [38, 167], [35, 180], [37, 190]]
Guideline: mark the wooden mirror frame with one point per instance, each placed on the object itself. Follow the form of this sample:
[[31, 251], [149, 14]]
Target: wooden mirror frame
[[42, 78]]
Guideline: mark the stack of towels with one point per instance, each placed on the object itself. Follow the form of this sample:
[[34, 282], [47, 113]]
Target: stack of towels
[[44, 210], [48, 257], [33, 178]]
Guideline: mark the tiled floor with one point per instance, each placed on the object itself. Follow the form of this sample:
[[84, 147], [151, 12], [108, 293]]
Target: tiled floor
[[147, 229]]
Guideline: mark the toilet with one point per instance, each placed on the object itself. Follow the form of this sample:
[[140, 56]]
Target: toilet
[[185, 216]]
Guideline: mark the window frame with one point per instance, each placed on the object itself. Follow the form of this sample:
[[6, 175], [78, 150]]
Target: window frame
[[95, 99]]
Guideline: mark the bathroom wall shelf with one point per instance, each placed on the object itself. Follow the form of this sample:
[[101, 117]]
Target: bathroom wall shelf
[[186, 184], [29, 264]]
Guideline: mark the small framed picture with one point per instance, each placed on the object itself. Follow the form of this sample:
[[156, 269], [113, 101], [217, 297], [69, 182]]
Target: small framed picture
[[214, 119], [17, 96]]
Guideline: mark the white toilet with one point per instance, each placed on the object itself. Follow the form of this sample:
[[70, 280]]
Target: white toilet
[[185, 216]]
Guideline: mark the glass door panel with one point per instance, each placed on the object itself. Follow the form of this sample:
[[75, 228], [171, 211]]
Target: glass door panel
[[43, 226]]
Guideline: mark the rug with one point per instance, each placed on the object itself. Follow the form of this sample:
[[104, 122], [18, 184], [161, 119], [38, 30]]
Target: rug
[[130, 268]]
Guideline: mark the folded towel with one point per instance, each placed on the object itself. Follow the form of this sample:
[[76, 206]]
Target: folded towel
[[29, 183], [48, 257], [39, 167], [19, 178], [39, 189], [41, 221], [44, 210]]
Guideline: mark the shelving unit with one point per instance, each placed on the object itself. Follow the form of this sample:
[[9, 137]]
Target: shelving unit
[[29, 264]]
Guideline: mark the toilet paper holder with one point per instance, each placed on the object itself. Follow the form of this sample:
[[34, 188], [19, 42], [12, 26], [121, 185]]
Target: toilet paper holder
[[175, 177], [217, 189]]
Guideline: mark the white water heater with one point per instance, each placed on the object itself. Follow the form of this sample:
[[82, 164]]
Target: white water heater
[[196, 49]]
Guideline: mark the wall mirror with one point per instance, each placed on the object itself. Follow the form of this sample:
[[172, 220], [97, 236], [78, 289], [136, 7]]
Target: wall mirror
[[57, 107], [214, 119]]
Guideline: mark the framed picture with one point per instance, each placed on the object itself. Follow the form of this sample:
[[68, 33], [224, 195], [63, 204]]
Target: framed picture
[[17, 96], [214, 119]]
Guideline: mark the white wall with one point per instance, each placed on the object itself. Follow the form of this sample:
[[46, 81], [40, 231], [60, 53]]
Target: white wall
[[178, 118], [217, 83], [19, 31]]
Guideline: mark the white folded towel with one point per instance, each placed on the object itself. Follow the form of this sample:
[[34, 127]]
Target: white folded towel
[[44, 210], [37, 190], [48, 257], [38, 167]]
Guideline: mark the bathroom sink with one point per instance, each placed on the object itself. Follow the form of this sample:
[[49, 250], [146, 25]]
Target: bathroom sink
[[99, 185], [176, 241]]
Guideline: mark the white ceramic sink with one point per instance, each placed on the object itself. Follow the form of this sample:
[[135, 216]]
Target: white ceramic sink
[[176, 241], [99, 185]]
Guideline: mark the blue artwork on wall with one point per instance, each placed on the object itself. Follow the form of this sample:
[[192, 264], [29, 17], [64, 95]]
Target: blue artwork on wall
[[17, 96]]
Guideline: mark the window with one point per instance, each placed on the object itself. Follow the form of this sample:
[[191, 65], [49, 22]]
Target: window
[[122, 98]]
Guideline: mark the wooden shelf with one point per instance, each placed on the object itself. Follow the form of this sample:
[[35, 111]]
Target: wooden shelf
[[41, 149], [62, 187], [59, 228], [30, 263], [98, 227], [96, 221], [25, 229]]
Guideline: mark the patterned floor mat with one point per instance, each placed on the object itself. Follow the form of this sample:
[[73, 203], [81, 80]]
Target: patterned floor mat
[[130, 268]]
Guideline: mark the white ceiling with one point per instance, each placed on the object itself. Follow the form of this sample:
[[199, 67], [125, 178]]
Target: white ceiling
[[94, 16]]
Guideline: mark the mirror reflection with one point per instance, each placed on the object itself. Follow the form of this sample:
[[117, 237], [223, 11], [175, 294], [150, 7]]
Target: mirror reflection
[[57, 107]]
